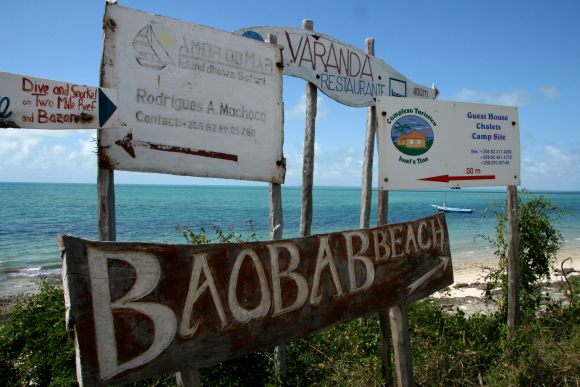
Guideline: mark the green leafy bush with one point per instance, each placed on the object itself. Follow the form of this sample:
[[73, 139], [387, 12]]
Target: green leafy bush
[[539, 243], [35, 349]]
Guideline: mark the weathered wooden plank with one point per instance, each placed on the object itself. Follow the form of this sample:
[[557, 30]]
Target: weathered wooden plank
[[106, 211], [402, 345], [143, 309], [308, 158], [188, 378], [384, 321], [514, 260], [367, 182], [276, 230]]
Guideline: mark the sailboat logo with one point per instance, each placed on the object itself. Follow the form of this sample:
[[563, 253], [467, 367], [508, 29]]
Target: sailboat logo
[[150, 51]]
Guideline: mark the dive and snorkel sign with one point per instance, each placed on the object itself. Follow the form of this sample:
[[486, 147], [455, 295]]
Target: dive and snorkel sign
[[342, 71]]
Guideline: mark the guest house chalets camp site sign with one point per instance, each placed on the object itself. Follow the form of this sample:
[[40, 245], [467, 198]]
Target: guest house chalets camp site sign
[[143, 309], [440, 144], [38, 103], [342, 71], [193, 100]]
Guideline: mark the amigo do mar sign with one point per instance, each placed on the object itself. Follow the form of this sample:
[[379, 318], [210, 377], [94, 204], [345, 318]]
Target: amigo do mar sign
[[145, 309], [38, 103], [193, 100], [440, 144], [342, 71]]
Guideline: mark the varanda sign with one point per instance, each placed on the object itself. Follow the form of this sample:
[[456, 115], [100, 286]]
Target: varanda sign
[[342, 71], [144, 309]]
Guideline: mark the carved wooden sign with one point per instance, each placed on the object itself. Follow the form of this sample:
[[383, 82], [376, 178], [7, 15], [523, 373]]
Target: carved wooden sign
[[144, 309], [340, 70]]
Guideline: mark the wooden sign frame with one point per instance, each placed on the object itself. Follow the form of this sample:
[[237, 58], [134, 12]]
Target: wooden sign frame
[[144, 309]]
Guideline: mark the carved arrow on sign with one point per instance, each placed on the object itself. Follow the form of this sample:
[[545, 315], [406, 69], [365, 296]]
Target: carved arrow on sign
[[128, 143], [447, 178], [426, 276]]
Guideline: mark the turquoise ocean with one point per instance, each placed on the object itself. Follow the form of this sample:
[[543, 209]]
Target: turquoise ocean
[[33, 214]]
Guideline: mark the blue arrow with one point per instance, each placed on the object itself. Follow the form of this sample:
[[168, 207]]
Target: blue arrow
[[106, 108]]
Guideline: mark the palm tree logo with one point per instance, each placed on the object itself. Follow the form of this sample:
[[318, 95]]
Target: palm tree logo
[[412, 135], [401, 128]]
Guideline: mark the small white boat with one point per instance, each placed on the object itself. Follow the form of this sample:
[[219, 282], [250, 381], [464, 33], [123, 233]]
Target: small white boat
[[452, 209]]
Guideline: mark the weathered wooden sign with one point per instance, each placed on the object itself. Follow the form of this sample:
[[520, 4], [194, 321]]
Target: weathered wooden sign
[[193, 100], [38, 103], [440, 144], [342, 71], [143, 309]]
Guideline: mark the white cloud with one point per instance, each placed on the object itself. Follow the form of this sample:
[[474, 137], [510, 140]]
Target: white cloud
[[518, 97], [26, 154], [298, 111], [552, 168], [551, 92], [340, 167]]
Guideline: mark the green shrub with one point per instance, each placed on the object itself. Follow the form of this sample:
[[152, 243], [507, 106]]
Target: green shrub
[[539, 243], [35, 349]]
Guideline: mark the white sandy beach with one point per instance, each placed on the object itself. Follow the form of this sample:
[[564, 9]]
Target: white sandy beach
[[468, 272]]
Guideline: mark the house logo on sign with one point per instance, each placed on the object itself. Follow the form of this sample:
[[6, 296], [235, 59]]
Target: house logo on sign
[[151, 47], [412, 135]]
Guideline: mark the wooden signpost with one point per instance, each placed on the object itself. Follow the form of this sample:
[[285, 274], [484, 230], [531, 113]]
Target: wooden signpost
[[38, 103], [442, 144], [340, 70], [193, 100], [144, 309]]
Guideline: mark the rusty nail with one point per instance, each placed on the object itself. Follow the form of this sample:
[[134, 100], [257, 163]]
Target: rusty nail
[[112, 23], [384, 114]]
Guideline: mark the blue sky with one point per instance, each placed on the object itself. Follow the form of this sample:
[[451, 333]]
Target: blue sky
[[516, 53]]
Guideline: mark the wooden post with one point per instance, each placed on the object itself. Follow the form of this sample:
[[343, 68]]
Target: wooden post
[[399, 325], [188, 378], [308, 166], [276, 229], [514, 260], [106, 212], [384, 323], [402, 345], [367, 182]]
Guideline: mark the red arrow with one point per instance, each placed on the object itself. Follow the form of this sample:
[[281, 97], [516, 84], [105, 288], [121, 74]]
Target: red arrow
[[127, 143], [447, 178]]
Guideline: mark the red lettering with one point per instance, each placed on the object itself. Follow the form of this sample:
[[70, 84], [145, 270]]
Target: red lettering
[[294, 57], [367, 60], [316, 44], [336, 65], [343, 61], [351, 54], [307, 42], [27, 84], [42, 117]]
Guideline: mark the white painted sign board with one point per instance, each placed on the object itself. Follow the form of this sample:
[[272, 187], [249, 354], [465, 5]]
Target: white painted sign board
[[340, 70], [193, 100], [440, 144], [38, 103]]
